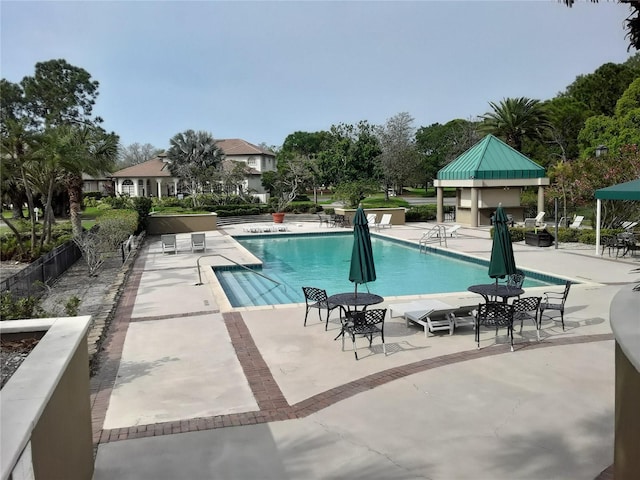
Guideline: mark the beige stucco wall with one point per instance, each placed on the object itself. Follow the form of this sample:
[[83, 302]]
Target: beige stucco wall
[[61, 441], [46, 414], [397, 214], [160, 224]]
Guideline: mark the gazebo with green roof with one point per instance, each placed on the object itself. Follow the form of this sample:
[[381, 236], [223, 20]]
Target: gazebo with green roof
[[489, 173]]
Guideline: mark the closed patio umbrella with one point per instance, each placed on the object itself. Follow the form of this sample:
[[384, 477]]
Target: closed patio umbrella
[[362, 268], [502, 262]]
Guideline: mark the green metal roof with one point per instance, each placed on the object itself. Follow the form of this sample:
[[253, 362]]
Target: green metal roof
[[621, 191], [491, 159]]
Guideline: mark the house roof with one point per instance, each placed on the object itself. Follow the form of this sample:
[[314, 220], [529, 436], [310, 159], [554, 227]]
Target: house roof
[[621, 191], [237, 146], [155, 167], [491, 159], [158, 166]]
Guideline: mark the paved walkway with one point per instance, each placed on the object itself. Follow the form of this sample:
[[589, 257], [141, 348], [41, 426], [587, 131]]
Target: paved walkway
[[190, 388]]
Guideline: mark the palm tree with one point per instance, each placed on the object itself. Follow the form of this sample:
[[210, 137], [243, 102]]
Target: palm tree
[[516, 119], [60, 156], [195, 157]]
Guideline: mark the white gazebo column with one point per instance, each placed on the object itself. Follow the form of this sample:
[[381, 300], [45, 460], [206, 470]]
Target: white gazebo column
[[540, 198], [175, 187], [159, 185], [119, 186], [598, 207], [135, 188], [439, 205], [474, 207]]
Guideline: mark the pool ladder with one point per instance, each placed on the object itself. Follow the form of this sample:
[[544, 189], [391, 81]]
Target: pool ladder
[[437, 233], [235, 263]]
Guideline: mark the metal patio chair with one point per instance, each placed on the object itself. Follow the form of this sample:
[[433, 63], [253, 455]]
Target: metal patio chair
[[527, 308], [495, 314], [555, 301], [367, 323], [317, 298]]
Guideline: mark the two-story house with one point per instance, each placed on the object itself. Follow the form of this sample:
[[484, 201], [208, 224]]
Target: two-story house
[[153, 177]]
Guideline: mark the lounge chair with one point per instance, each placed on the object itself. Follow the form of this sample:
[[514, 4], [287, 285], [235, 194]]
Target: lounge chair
[[535, 222], [385, 221], [577, 221], [432, 315], [371, 219], [465, 315], [453, 231], [198, 242], [169, 243]]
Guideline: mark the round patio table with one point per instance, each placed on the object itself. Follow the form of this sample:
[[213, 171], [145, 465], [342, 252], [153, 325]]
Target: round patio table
[[351, 299], [496, 290]]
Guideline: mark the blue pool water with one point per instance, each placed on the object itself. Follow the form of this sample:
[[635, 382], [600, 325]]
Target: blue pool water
[[323, 261]]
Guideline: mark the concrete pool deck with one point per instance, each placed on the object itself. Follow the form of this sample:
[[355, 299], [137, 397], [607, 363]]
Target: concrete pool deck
[[190, 388]]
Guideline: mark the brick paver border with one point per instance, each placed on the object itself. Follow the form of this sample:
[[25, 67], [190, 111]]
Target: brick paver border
[[272, 404]]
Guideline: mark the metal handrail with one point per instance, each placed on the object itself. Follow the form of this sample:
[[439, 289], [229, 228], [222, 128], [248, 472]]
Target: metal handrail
[[234, 262], [436, 233]]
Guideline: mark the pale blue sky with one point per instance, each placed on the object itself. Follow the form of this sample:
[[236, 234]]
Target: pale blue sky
[[262, 70]]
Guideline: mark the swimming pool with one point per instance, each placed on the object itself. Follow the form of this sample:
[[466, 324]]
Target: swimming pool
[[323, 261]]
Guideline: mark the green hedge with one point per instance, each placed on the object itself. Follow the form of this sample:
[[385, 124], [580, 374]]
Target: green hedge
[[421, 213]]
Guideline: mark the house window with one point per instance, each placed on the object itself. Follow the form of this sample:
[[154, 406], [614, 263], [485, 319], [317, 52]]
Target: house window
[[127, 188], [251, 161]]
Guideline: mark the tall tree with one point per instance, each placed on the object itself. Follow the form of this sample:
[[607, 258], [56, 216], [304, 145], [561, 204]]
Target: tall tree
[[515, 119], [46, 116], [616, 131], [348, 153], [441, 144], [195, 159], [399, 159], [599, 91], [136, 153], [60, 93]]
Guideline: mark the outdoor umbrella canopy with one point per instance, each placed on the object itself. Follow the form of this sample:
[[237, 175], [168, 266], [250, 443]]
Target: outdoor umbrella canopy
[[502, 262], [362, 268]]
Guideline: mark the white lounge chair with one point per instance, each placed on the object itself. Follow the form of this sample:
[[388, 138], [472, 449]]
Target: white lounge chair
[[371, 219], [577, 221], [385, 221], [169, 243], [198, 242], [432, 315], [453, 231], [535, 222]]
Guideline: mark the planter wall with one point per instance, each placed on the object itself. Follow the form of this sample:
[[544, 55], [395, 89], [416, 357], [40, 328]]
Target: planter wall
[[46, 414], [397, 214], [161, 224], [624, 323]]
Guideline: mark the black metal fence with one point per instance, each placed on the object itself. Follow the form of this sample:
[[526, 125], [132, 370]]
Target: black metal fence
[[30, 281]]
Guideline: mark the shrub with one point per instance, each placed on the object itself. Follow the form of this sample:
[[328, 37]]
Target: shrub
[[21, 308], [421, 213], [119, 203], [92, 195], [142, 205], [71, 307], [330, 211]]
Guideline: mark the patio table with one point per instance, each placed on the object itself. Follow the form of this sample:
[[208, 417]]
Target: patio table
[[496, 290], [350, 300]]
